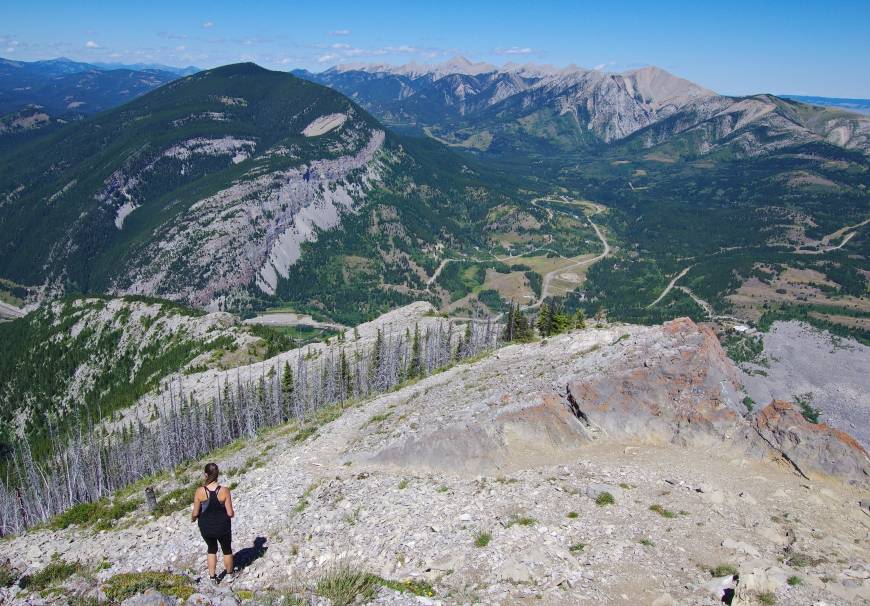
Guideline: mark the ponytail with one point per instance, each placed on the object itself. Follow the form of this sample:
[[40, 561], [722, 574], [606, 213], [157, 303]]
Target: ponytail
[[211, 473]]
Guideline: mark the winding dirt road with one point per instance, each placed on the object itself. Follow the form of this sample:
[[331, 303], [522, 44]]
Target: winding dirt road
[[548, 277]]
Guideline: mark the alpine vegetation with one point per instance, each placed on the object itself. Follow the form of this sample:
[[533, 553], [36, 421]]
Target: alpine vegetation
[[95, 459]]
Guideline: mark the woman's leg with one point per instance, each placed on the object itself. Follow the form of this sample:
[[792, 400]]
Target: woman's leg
[[227, 549], [212, 556]]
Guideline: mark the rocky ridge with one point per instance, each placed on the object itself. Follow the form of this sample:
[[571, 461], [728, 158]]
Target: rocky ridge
[[519, 447], [461, 98]]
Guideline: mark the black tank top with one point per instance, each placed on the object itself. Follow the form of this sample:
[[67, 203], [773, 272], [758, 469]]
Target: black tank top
[[213, 519]]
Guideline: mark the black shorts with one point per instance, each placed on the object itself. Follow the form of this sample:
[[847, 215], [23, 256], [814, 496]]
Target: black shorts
[[225, 542]]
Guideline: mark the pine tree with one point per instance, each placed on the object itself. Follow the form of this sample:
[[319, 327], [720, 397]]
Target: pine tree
[[579, 319], [544, 322], [287, 388]]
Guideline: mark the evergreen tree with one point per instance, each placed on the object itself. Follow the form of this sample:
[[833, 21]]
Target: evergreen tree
[[544, 321], [579, 319], [287, 388]]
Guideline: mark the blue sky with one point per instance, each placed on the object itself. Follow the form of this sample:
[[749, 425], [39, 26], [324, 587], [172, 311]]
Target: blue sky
[[733, 47]]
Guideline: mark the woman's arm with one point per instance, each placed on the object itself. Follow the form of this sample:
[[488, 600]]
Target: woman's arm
[[228, 502], [196, 502]]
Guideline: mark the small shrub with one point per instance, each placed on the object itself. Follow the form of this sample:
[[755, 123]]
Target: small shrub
[[102, 514], [723, 570], [604, 499], [403, 484], [573, 515], [55, 573], [344, 585], [794, 580], [665, 513], [442, 489], [175, 500], [127, 584], [7, 574], [522, 521], [805, 401], [647, 543], [767, 598], [418, 588], [576, 547], [482, 539]]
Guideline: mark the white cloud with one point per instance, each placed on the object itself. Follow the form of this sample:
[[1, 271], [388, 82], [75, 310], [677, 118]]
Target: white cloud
[[327, 57], [181, 48], [340, 32], [10, 49], [603, 66], [207, 24], [514, 50], [92, 44], [340, 45]]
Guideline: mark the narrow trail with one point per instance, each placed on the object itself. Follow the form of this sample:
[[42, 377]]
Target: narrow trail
[[548, 277], [847, 233], [670, 286]]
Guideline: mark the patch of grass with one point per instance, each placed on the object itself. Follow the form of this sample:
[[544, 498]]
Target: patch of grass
[[647, 543], [379, 418], [665, 513], [504, 480], [403, 484], [799, 560], [604, 499], [55, 573], [723, 570], [7, 574], [442, 489], [127, 584], [522, 521], [482, 539], [767, 598], [418, 588], [625, 486], [244, 594], [573, 515], [794, 580], [175, 500], [577, 547], [344, 585], [102, 514]]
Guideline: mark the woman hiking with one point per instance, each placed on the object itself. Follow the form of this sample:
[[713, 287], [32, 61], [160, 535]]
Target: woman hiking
[[213, 509]]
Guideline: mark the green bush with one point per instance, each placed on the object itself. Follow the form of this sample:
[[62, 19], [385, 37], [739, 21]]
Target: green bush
[[344, 585], [55, 573], [482, 539], [102, 514], [127, 584], [604, 499], [723, 570]]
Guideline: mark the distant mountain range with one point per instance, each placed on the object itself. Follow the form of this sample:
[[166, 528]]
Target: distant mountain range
[[547, 112], [852, 105], [62, 88]]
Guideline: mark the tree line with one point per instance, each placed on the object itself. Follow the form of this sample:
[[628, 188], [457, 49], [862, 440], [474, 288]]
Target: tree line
[[93, 460]]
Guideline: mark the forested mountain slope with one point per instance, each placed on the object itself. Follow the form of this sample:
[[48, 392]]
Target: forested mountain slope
[[80, 358], [212, 189]]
